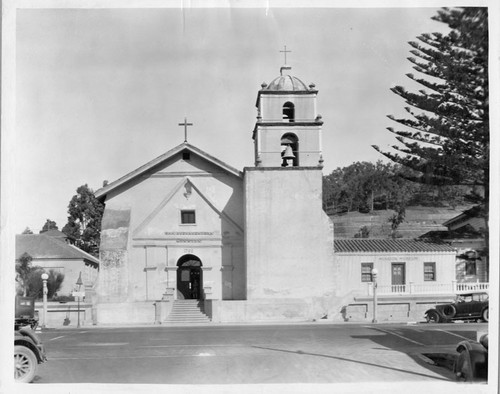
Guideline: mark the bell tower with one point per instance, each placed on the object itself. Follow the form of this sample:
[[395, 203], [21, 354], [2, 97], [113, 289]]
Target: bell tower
[[288, 236], [288, 128]]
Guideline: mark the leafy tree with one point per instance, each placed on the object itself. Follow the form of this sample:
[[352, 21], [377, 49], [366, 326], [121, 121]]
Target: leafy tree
[[365, 186], [84, 221], [35, 283], [54, 282], [396, 219], [23, 269], [49, 225], [364, 232], [26, 231]]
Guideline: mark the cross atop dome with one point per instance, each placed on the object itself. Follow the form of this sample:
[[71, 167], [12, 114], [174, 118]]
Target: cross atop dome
[[285, 52]]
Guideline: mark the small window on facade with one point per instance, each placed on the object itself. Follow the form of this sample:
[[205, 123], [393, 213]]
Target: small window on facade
[[470, 268], [366, 272], [429, 271], [186, 155], [288, 112], [188, 217]]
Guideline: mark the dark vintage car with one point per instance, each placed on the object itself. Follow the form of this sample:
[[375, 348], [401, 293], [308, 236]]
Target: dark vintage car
[[467, 306], [471, 365], [25, 314], [28, 353]]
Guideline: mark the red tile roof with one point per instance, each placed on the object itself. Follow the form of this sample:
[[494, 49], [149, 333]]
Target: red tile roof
[[389, 245]]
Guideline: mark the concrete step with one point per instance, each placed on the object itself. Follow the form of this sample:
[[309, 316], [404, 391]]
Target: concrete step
[[187, 311]]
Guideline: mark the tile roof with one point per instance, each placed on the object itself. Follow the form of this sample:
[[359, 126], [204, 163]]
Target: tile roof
[[389, 245], [41, 246]]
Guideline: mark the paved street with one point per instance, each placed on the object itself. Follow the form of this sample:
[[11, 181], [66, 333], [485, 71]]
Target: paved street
[[225, 354]]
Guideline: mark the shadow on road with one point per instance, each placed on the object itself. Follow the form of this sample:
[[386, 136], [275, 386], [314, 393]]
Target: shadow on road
[[426, 347], [352, 361]]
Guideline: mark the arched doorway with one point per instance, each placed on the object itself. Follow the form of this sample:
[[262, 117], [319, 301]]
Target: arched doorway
[[189, 277]]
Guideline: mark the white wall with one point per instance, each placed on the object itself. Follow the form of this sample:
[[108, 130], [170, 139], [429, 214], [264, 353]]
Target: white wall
[[349, 265]]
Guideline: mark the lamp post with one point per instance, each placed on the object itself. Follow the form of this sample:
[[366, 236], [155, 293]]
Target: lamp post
[[79, 282], [374, 276], [45, 291]]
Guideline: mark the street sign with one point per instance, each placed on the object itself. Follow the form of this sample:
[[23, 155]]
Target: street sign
[[78, 294]]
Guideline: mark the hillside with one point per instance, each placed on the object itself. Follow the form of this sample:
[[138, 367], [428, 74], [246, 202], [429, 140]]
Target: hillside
[[419, 220]]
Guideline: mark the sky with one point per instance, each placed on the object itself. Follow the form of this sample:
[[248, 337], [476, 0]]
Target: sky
[[100, 92]]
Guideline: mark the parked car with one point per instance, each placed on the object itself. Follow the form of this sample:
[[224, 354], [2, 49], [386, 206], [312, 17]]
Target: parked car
[[25, 314], [467, 306], [28, 353], [471, 365]]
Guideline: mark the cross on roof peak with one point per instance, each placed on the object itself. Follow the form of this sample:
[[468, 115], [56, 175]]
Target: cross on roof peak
[[185, 124]]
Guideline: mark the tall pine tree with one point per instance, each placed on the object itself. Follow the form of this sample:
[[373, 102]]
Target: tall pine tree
[[445, 140]]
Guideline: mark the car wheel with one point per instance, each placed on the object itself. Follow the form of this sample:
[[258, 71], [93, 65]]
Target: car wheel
[[449, 311], [463, 368], [432, 317], [25, 364], [486, 314]]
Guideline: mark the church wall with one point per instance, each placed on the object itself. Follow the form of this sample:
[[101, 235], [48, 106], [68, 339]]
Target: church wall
[[113, 254], [288, 236], [141, 262]]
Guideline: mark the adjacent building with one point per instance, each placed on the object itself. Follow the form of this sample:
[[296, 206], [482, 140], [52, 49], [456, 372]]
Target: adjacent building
[[51, 252]]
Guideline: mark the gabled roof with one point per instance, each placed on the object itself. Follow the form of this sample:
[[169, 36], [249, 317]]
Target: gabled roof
[[464, 232], [56, 234], [41, 246], [389, 245], [101, 193], [474, 212]]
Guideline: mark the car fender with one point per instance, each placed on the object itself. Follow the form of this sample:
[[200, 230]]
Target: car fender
[[31, 346], [478, 358]]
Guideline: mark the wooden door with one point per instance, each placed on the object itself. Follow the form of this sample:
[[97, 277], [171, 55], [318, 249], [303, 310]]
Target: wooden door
[[398, 277]]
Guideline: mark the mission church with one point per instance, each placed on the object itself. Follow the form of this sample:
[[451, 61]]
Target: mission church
[[187, 228]]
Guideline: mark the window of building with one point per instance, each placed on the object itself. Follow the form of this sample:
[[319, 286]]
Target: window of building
[[186, 155], [470, 268], [429, 271], [288, 112], [366, 272], [188, 217]]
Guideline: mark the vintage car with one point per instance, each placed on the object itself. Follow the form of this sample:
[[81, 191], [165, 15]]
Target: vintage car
[[467, 306], [25, 313], [471, 365], [28, 353]]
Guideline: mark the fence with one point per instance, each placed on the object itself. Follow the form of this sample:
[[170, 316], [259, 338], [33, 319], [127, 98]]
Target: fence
[[428, 288]]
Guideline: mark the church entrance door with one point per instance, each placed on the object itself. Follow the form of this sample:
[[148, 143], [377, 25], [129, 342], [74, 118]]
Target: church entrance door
[[189, 277]]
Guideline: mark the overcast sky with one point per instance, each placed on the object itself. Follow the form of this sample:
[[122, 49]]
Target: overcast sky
[[100, 92]]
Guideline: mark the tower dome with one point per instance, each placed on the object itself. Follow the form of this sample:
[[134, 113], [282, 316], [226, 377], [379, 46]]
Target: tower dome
[[286, 82]]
